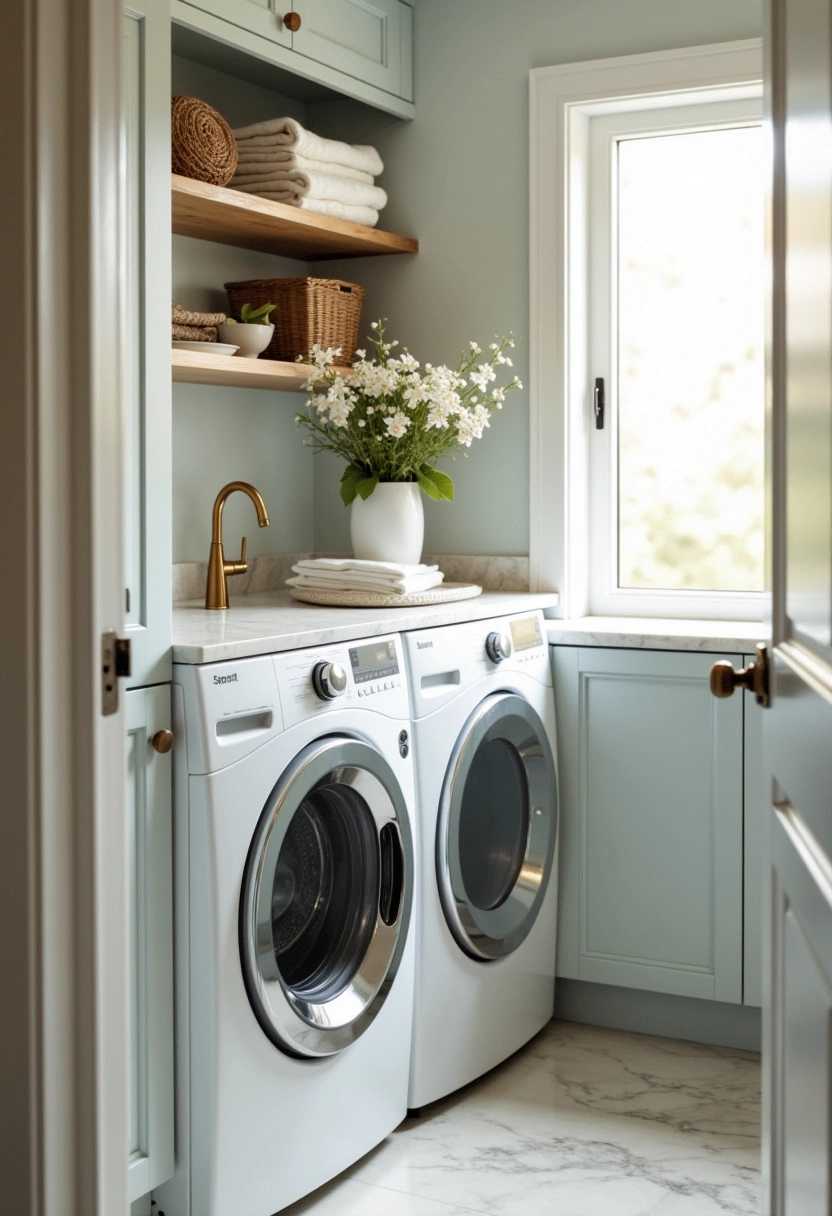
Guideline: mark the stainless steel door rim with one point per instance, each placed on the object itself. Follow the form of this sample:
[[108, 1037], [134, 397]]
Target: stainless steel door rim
[[305, 1018], [493, 913]]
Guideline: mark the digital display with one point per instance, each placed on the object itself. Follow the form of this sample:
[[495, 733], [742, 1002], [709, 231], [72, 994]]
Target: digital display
[[525, 634], [374, 662]]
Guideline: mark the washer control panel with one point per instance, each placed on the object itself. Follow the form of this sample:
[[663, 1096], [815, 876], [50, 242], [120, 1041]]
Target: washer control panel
[[444, 660], [343, 676]]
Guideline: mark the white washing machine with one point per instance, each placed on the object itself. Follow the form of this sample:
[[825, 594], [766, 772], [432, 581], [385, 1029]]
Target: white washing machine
[[487, 812], [294, 809]]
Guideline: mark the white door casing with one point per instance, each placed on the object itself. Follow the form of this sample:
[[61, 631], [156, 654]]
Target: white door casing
[[797, 742], [64, 1121]]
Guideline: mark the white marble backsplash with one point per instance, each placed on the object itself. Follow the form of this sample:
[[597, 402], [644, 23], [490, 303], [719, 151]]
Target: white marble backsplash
[[269, 573]]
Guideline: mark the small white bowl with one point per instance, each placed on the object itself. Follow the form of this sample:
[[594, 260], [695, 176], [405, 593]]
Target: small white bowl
[[252, 340], [207, 348]]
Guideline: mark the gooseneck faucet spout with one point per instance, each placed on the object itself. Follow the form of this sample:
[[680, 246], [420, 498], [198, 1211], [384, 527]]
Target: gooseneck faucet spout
[[216, 591]]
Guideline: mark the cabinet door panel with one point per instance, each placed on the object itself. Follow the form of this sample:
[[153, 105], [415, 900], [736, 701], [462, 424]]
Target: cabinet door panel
[[146, 184], [261, 17], [361, 38], [149, 883], [652, 854]]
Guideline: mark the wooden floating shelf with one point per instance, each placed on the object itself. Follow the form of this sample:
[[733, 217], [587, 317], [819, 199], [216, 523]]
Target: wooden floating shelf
[[192, 367], [229, 217]]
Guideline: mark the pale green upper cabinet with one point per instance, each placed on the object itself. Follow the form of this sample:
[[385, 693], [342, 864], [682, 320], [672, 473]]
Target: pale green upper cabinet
[[357, 48], [651, 865], [147, 416], [261, 17], [367, 39]]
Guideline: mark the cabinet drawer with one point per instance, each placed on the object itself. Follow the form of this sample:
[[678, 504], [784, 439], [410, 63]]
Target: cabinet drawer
[[652, 823], [261, 17], [361, 38]]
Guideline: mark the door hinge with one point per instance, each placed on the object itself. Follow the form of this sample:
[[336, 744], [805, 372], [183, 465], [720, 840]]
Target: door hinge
[[598, 403], [116, 664]]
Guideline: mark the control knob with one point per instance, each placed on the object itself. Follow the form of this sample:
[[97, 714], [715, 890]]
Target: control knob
[[498, 647], [329, 680]]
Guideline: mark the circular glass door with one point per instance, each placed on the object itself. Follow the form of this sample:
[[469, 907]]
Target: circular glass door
[[326, 898], [498, 821]]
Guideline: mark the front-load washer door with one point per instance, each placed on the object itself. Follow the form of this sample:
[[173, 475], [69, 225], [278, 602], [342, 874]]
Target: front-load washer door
[[497, 827], [326, 898]]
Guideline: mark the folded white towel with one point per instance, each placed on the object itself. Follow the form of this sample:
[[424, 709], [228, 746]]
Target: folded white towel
[[259, 164], [340, 211], [288, 133], [383, 569], [388, 578], [403, 586], [325, 186]]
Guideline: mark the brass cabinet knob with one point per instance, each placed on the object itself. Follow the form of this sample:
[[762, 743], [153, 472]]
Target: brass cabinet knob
[[162, 741], [724, 678], [292, 22]]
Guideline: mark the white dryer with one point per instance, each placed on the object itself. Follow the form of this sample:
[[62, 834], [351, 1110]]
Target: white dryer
[[294, 879], [487, 813]]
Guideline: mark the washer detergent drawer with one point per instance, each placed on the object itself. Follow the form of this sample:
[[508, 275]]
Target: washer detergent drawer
[[231, 709]]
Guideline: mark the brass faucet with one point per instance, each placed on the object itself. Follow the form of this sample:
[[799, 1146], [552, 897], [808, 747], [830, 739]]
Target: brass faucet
[[216, 591]]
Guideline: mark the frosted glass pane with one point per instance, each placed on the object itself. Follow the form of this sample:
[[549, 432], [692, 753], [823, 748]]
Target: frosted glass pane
[[690, 361]]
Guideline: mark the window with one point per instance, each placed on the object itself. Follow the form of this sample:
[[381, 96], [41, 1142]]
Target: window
[[647, 272], [676, 331]]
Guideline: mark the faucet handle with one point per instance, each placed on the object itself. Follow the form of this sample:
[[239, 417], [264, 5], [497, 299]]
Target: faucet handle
[[241, 566]]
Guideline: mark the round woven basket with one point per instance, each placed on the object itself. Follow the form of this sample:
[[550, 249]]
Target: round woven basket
[[202, 143]]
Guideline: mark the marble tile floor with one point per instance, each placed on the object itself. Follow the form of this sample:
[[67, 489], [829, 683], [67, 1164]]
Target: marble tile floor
[[582, 1122]]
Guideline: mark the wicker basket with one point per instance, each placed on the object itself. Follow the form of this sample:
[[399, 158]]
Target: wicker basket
[[326, 311]]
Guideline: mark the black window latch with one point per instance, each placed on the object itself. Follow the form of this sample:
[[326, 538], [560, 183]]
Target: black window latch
[[598, 403]]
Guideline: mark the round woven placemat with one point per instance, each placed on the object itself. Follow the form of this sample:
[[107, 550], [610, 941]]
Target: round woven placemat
[[446, 594], [202, 143]]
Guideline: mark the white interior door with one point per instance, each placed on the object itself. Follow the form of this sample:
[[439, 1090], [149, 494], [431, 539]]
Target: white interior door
[[798, 727]]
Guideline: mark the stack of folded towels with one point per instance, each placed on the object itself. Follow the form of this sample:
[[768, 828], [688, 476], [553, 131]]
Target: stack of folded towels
[[281, 160], [349, 574], [195, 326]]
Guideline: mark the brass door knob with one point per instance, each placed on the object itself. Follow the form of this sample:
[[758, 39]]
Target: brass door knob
[[162, 741], [724, 678], [292, 22]]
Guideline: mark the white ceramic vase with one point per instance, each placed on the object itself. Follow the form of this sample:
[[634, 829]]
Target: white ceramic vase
[[389, 526]]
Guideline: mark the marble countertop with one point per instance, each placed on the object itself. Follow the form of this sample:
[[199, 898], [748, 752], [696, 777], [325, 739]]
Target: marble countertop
[[641, 633], [272, 621]]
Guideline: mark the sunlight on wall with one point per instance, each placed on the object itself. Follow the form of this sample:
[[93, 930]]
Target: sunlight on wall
[[690, 364]]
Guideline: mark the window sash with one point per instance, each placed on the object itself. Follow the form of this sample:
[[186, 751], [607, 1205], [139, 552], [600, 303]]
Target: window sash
[[647, 116]]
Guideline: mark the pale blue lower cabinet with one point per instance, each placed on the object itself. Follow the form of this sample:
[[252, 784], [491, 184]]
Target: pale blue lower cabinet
[[651, 863], [149, 885]]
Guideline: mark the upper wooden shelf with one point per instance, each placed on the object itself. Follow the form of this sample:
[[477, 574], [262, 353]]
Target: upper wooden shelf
[[229, 217]]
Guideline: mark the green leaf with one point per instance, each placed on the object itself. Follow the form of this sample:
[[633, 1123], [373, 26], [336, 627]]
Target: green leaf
[[442, 485], [349, 483], [366, 486], [256, 316], [428, 486]]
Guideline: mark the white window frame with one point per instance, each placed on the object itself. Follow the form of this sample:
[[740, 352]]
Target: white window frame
[[563, 100], [605, 596]]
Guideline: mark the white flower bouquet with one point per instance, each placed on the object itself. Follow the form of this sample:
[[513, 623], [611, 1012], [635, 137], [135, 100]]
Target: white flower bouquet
[[391, 422]]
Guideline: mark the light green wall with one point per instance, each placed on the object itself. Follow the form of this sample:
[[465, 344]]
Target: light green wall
[[219, 434], [457, 177]]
